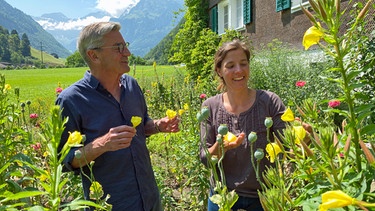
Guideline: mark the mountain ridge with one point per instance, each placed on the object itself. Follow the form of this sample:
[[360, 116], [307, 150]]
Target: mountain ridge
[[14, 19]]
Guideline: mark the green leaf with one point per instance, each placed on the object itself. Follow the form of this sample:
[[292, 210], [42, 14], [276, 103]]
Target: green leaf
[[216, 199], [368, 129], [24, 194]]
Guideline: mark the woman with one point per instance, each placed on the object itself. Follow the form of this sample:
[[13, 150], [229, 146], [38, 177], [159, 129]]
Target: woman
[[243, 110]]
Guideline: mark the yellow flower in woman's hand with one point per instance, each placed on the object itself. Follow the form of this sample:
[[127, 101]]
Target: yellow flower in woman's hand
[[75, 138], [230, 137], [136, 120], [335, 199], [312, 36], [272, 149], [299, 134], [171, 114], [288, 115]]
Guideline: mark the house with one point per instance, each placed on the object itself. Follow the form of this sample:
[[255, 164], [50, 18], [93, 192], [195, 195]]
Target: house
[[264, 21]]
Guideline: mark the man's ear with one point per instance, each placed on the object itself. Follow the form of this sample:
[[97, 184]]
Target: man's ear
[[92, 55]]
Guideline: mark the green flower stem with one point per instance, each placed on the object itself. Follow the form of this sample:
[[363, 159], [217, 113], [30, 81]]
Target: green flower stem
[[349, 99]]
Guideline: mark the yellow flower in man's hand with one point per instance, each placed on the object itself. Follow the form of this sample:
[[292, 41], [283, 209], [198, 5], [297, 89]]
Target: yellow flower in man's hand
[[75, 138], [230, 137], [312, 36], [288, 115], [171, 114], [273, 149], [335, 199], [136, 120], [299, 134]]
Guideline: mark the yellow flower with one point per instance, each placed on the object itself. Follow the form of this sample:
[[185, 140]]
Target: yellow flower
[[171, 114], [43, 177], [229, 137], [181, 111], [136, 120], [312, 36], [96, 190], [7, 87], [288, 115], [186, 106], [299, 134], [272, 149], [75, 138], [154, 65], [335, 199]]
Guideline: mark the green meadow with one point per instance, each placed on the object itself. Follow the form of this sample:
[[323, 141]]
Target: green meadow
[[40, 84]]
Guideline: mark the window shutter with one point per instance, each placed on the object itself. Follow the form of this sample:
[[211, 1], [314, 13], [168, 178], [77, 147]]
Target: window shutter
[[282, 5], [246, 11], [214, 19]]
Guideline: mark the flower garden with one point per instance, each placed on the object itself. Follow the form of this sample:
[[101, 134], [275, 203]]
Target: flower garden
[[331, 88]]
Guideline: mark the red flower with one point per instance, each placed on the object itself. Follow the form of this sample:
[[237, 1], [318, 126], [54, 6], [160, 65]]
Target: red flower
[[300, 83], [36, 146], [333, 103], [202, 96], [59, 90], [33, 116]]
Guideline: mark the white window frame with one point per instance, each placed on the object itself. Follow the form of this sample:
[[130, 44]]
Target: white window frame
[[239, 14], [296, 5], [235, 20]]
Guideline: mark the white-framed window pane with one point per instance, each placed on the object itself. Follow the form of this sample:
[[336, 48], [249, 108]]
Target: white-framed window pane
[[239, 15], [296, 4], [226, 17]]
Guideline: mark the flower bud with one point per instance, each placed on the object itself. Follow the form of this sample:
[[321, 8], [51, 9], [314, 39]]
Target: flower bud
[[222, 129], [78, 154], [259, 154], [252, 137], [268, 122], [203, 114], [219, 139], [214, 159]]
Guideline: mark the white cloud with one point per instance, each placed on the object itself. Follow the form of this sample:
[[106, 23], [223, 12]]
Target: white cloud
[[115, 7], [76, 24]]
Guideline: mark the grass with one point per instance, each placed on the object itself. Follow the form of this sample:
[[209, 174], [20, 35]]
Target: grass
[[47, 58], [40, 84]]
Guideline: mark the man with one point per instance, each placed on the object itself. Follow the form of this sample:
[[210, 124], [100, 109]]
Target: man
[[101, 106]]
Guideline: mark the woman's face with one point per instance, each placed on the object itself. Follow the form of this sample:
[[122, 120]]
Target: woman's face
[[235, 70]]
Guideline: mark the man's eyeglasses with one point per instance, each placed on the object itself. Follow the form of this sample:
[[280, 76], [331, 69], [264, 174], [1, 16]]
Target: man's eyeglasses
[[120, 47]]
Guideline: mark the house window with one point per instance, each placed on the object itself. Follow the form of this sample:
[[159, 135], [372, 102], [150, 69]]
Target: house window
[[296, 5], [282, 5], [230, 15], [239, 16], [226, 17]]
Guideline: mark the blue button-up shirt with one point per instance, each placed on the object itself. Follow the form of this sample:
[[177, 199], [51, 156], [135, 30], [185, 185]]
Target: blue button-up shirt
[[126, 174]]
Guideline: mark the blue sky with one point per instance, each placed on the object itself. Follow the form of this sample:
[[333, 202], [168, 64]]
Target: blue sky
[[71, 8]]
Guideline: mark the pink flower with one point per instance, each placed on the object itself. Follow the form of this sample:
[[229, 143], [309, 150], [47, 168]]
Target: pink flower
[[333, 103], [33, 116], [59, 90], [202, 96], [36, 146], [300, 83]]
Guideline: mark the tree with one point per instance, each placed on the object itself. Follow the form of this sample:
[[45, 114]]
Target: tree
[[75, 60], [14, 41], [196, 20], [25, 45]]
